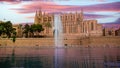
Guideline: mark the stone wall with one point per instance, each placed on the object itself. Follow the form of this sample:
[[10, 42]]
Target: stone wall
[[28, 41], [115, 40], [69, 41]]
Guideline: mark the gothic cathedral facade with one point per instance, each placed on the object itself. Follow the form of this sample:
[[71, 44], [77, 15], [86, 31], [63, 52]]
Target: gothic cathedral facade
[[74, 24]]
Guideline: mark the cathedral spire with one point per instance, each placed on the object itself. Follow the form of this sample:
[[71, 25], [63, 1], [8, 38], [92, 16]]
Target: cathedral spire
[[36, 18], [81, 14], [39, 13]]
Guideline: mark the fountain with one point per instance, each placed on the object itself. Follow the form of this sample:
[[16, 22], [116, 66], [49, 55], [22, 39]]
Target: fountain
[[59, 49], [58, 31]]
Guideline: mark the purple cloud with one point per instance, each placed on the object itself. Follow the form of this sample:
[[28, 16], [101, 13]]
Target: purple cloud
[[95, 16], [115, 6]]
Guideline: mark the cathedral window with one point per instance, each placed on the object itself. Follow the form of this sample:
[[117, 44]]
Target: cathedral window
[[45, 19], [71, 18], [49, 18], [61, 17], [92, 26], [39, 19], [64, 29], [109, 32], [65, 17], [73, 29]]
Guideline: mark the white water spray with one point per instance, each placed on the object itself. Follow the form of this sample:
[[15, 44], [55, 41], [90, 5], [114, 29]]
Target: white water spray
[[58, 35], [58, 30]]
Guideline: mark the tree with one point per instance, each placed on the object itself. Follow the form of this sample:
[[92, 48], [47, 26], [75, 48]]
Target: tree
[[2, 29], [7, 29], [36, 28], [33, 29], [26, 30], [14, 35]]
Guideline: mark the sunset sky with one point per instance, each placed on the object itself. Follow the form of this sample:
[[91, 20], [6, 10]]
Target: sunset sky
[[105, 11]]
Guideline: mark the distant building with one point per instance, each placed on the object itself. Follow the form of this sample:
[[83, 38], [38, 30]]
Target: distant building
[[18, 30], [73, 24], [44, 19], [109, 32], [117, 32]]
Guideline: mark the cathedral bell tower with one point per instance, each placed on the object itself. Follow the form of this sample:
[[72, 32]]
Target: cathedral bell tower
[[80, 17], [38, 17]]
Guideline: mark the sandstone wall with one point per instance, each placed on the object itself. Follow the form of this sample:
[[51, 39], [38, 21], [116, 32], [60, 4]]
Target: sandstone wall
[[69, 41], [28, 41], [105, 40], [36, 42]]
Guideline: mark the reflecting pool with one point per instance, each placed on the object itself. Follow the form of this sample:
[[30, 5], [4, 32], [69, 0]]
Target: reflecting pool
[[66, 57]]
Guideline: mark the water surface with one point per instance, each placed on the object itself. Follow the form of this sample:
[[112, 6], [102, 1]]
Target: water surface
[[66, 57]]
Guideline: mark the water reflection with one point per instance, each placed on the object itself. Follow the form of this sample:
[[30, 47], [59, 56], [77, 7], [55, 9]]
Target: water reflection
[[74, 57]]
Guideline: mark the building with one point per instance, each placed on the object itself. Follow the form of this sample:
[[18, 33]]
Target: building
[[18, 28], [46, 20], [117, 32], [73, 24], [109, 32]]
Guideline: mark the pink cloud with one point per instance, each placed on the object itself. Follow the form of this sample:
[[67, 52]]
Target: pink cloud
[[6, 0], [44, 6], [110, 7], [30, 17], [14, 2], [11, 2], [53, 7]]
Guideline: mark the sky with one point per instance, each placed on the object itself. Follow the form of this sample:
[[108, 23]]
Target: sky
[[23, 11]]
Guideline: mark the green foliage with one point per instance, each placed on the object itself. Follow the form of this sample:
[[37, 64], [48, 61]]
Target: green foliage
[[32, 29], [7, 29], [36, 28], [14, 37], [26, 30], [2, 31]]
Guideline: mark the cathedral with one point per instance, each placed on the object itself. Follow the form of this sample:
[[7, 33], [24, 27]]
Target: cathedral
[[74, 24]]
